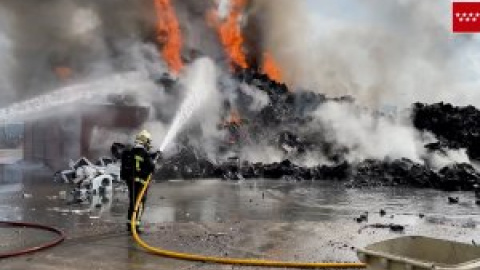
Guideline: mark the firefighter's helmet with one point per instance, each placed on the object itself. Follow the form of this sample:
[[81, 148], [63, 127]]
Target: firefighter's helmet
[[144, 138]]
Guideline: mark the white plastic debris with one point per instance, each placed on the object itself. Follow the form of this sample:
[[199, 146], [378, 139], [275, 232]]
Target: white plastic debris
[[89, 178], [62, 195]]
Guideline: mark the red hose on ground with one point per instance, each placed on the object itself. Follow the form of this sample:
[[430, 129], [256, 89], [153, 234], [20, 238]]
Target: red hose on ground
[[56, 241]]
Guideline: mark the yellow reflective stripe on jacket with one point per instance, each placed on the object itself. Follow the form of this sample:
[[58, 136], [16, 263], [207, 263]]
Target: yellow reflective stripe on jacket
[[137, 179], [138, 159]]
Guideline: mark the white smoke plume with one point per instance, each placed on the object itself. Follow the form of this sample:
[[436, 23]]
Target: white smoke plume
[[367, 136], [381, 52], [262, 153], [440, 160], [259, 98]]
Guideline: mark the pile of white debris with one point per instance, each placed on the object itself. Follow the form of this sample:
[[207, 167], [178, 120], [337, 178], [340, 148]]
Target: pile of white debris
[[90, 178]]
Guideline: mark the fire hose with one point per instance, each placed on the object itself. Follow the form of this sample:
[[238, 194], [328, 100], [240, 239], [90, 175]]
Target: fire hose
[[220, 260], [60, 237]]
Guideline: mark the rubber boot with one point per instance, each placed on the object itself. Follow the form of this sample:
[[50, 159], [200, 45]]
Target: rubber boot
[[138, 227]]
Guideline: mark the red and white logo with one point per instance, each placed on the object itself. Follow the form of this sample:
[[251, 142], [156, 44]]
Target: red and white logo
[[466, 17]]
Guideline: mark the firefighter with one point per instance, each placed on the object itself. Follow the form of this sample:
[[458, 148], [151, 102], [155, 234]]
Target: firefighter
[[138, 163]]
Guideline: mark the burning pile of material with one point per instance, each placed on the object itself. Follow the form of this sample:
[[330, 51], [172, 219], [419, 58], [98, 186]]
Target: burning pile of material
[[249, 112], [283, 124]]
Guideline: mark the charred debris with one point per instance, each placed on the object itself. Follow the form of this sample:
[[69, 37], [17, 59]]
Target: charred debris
[[287, 112]]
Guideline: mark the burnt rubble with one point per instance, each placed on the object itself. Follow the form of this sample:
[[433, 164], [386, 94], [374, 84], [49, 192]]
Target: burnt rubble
[[455, 127], [285, 107], [406, 173], [393, 227], [283, 123], [369, 173], [186, 164]]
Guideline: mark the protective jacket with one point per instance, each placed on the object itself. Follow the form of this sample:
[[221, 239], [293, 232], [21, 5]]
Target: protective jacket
[[137, 163]]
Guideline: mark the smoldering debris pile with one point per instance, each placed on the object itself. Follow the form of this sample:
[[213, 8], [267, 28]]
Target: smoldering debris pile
[[284, 122], [187, 164], [369, 173], [404, 172], [455, 127], [264, 128]]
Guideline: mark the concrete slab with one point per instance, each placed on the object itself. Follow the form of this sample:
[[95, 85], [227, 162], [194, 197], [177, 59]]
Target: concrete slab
[[256, 219]]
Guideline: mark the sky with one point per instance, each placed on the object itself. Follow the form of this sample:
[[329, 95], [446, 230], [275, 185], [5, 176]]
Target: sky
[[333, 15]]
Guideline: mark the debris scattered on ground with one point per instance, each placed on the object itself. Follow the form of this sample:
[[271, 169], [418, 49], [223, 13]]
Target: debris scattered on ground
[[62, 195], [216, 235], [89, 178], [453, 200], [362, 218], [391, 226]]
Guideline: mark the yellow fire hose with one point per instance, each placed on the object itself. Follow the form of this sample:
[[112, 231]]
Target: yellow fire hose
[[219, 260]]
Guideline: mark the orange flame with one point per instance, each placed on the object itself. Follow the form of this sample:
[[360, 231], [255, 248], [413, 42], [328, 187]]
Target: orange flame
[[230, 33], [271, 68], [168, 34], [63, 72], [235, 117]]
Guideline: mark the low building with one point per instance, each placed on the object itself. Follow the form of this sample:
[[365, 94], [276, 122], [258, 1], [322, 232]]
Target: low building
[[56, 140]]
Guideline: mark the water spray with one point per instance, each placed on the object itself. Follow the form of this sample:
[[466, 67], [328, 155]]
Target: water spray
[[73, 94], [199, 84]]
